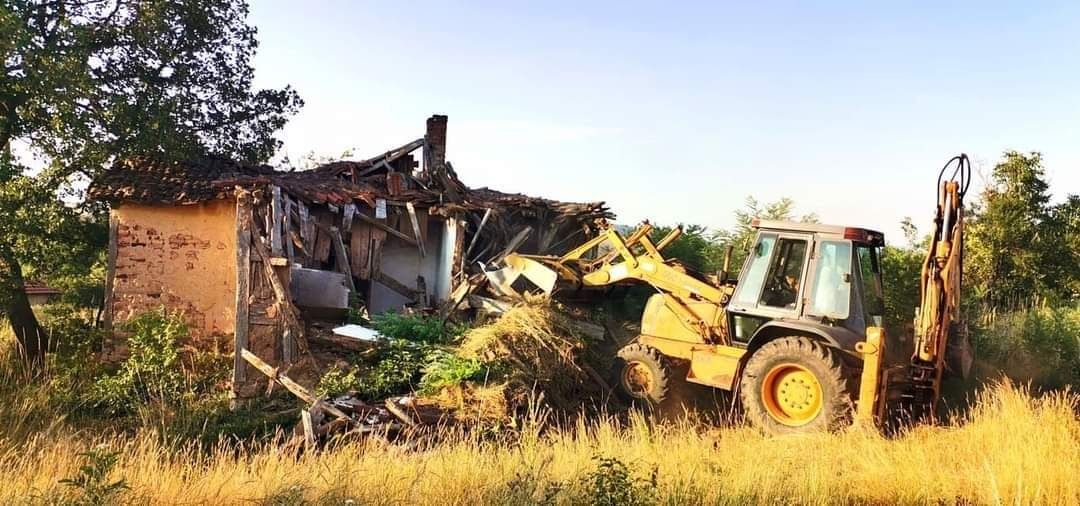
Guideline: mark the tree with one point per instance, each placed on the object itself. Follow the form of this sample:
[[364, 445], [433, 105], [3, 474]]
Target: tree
[[85, 82], [1018, 249], [739, 237]]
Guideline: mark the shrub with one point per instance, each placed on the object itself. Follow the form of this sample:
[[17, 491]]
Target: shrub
[[338, 381], [444, 369], [398, 369], [152, 371], [611, 484], [92, 482], [417, 328], [1039, 345]]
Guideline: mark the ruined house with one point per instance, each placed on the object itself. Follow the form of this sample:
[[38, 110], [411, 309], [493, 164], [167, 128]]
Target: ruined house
[[253, 256]]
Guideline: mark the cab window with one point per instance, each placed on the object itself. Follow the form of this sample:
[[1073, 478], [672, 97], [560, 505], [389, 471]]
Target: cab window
[[785, 274], [754, 277], [830, 294]]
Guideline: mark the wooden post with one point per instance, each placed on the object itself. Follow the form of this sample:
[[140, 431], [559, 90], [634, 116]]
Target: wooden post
[[307, 230], [243, 277], [342, 256], [416, 228], [386, 228], [287, 231], [276, 214], [309, 430]]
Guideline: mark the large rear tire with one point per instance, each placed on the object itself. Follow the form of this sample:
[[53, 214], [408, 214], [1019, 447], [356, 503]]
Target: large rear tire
[[795, 385], [644, 375]]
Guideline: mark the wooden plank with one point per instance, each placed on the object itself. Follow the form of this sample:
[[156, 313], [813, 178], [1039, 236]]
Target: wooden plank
[[416, 228], [347, 217], [479, 228], [378, 237], [342, 258], [359, 244], [277, 215], [514, 243], [290, 385], [110, 270], [386, 228], [243, 279], [323, 239], [309, 430], [395, 285]]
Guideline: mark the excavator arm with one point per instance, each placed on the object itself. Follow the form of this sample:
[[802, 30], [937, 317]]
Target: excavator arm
[[940, 341]]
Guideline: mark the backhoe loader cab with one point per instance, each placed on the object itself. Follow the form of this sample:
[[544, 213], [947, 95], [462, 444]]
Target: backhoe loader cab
[[808, 277]]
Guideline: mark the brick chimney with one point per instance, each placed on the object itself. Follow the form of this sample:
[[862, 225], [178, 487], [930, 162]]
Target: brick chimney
[[436, 141]]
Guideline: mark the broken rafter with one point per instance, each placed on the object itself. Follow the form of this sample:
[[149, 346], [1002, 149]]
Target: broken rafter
[[416, 228], [386, 228]]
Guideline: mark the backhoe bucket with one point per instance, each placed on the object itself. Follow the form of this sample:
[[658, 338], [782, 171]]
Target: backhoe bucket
[[959, 354]]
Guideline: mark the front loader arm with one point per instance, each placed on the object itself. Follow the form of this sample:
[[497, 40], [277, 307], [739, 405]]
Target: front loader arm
[[635, 258]]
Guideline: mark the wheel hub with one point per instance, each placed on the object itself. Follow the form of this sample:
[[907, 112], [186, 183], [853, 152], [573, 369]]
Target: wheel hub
[[638, 379], [792, 394]]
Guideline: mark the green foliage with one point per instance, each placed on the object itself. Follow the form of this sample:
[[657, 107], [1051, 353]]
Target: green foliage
[[338, 381], [901, 269], [92, 483], [1039, 345], [416, 327], [398, 369], [152, 371], [612, 484], [1021, 250], [740, 237], [211, 421], [694, 248], [445, 369]]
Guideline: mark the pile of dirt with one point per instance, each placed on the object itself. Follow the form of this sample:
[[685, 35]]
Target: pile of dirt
[[538, 355]]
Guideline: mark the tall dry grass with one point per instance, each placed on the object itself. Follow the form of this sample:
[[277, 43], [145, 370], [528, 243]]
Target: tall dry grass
[[1012, 448]]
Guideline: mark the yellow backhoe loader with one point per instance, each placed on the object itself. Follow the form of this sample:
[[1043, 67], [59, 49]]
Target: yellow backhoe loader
[[800, 335]]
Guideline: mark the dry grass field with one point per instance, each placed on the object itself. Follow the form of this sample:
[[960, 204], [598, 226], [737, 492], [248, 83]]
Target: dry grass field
[[1012, 448]]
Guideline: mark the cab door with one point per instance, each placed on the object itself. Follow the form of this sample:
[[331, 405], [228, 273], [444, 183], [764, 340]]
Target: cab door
[[770, 284]]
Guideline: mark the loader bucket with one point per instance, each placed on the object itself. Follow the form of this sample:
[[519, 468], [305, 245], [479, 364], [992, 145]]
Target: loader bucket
[[517, 268]]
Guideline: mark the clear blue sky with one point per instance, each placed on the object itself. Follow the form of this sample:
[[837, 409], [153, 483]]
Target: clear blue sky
[[678, 112]]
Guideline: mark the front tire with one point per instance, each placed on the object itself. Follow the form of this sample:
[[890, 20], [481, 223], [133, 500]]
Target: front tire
[[644, 374], [795, 385]]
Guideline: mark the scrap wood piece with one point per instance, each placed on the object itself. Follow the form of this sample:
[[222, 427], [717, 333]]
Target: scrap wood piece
[[395, 409]]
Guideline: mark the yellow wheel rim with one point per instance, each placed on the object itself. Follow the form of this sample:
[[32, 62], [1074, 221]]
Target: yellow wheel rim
[[791, 394], [638, 379]]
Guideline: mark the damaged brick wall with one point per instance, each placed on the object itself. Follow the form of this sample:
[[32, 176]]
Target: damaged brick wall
[[180, 257]]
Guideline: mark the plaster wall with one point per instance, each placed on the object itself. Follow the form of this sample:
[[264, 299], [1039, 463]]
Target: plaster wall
[[182, 257]]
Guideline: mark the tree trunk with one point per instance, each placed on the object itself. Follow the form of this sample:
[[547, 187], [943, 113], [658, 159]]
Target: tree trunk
[[32, 339]]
